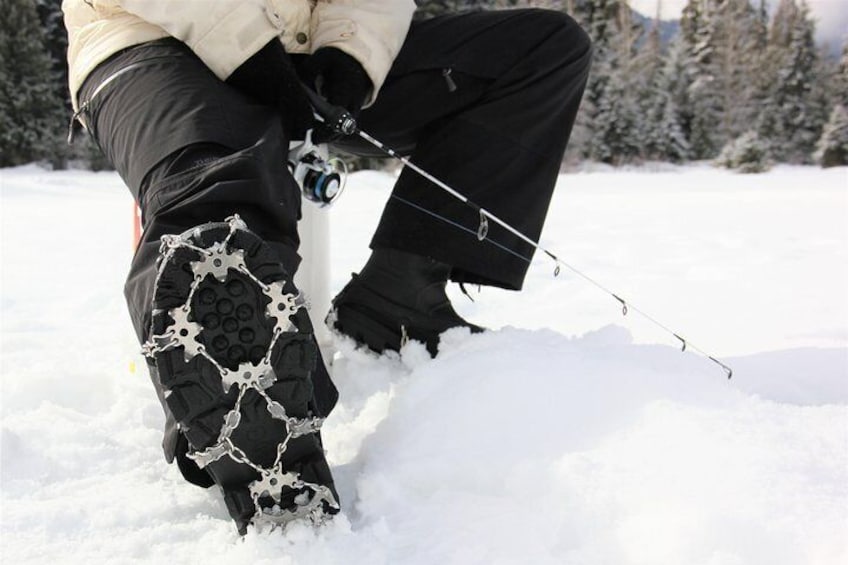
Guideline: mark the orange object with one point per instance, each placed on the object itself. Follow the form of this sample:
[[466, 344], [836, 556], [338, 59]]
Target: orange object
[[136, 225]]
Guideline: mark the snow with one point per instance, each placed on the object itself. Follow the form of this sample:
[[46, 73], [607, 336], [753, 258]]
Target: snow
[[569, 434]]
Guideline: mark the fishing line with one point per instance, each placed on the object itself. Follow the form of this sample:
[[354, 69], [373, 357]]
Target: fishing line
[[342, 122]]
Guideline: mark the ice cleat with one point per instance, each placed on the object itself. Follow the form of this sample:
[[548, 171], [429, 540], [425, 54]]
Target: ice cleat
[[235, 354]]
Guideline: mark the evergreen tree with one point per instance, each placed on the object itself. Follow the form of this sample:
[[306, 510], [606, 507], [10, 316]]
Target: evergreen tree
[[429, 8], [832, 147], [760, 72], [30, 115], [614, 124], [56, 42], [791, 118], [609, 114], [663, 135], [506, 4], [647, 66], [704, 110], [740, 49], [746, 154], [839, 81]]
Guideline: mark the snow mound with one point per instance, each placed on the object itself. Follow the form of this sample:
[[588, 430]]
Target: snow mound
[[519, 446], [511, 446]]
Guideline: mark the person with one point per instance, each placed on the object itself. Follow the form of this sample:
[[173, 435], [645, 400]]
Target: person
[[195, 104]]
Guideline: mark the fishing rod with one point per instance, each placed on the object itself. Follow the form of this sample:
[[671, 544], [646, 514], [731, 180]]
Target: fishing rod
[[339, 120]]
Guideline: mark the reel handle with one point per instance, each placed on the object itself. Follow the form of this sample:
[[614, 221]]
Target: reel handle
[[335, 117]]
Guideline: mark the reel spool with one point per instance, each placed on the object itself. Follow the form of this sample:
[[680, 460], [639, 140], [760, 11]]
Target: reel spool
[[320, 178]]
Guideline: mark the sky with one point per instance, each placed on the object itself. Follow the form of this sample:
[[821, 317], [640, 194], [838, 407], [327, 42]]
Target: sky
[[831, 15]]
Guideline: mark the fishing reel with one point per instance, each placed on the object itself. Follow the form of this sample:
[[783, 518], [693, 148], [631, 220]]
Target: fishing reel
[[320, 178]]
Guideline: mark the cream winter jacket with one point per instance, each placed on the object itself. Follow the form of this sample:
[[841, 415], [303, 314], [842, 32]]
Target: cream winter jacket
[[225, 33]]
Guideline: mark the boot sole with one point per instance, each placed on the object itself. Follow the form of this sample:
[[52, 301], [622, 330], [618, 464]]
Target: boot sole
[[238, 375]]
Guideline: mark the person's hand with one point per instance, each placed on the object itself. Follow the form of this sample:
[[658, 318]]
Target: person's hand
[[339, 78], [270, 78]]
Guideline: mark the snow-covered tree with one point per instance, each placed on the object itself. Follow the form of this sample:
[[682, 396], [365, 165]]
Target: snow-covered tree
[[832, 147], [839, 80], [30, 113], [723, 42], [740, 51], [793, 114], [704, 112], [427, 8], [662, 130], [56, 44], [746, 154], [645, 66], [610, 112]]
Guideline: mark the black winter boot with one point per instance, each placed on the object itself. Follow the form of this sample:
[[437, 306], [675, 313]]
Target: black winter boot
[[236, 357], [397, 296]]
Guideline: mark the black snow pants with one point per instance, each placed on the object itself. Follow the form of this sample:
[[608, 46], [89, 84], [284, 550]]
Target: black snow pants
[[484, 100]]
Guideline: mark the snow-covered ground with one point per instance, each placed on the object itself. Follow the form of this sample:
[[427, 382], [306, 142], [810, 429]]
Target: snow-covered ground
[[570, 434]]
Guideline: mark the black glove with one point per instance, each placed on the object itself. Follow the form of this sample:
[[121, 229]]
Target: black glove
[[270, 78], [341, 80]]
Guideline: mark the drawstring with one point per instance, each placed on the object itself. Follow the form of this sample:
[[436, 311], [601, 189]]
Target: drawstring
[[465, 291]]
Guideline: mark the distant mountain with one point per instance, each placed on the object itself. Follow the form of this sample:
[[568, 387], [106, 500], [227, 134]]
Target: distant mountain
[[830, 33], [668, 28]]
